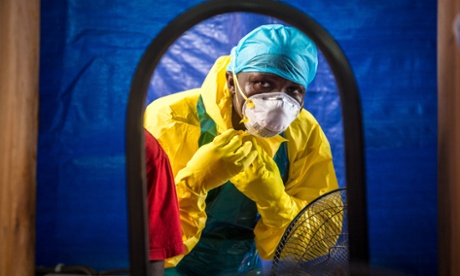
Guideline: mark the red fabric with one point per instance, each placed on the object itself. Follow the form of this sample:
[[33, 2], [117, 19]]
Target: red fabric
[[165, 236]]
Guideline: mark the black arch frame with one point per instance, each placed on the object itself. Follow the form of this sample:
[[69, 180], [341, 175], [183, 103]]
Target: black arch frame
[[351, 113]]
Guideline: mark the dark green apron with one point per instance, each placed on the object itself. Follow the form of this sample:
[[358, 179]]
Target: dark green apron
[[226, 246]]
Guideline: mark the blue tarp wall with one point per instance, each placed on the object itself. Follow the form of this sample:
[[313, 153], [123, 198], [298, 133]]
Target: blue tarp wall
[[89, 53]]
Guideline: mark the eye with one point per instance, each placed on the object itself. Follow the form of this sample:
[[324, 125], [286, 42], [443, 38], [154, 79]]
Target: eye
[[296, 90], [262, 85]]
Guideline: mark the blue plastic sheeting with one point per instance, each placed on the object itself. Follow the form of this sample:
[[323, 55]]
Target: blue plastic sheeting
[[89, 53]]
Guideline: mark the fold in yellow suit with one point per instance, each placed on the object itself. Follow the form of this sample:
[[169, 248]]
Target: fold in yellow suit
[[175, 122]]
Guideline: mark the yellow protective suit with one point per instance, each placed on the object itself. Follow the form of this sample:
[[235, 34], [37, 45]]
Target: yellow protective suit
[[174, 121]]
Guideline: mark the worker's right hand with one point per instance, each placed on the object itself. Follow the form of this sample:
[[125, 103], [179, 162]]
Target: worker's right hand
[[216, 162]]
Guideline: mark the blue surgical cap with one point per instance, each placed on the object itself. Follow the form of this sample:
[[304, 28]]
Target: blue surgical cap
[[277, 49]]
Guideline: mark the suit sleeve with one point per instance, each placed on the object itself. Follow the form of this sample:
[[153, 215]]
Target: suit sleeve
[[178, 134], [311, 174]]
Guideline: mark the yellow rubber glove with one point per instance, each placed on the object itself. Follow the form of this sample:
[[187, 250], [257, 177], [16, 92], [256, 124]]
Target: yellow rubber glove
[[216, 162], [262, 183]]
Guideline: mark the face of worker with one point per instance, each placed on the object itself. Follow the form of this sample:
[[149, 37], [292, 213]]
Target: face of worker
[[257, 82]]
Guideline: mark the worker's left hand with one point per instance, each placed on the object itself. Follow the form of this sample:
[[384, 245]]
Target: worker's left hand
[[261, 181]]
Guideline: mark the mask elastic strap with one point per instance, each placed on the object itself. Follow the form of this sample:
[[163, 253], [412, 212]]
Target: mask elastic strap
[[249, 102]]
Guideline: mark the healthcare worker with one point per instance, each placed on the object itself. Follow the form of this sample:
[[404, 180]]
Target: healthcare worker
[[246, 156]]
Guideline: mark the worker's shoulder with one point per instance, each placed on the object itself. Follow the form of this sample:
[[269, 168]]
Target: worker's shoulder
[[304, 126], [183, 97], [306, 118], [184, 101]]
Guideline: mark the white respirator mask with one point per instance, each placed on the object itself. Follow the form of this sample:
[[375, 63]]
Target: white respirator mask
[[268, 114]]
